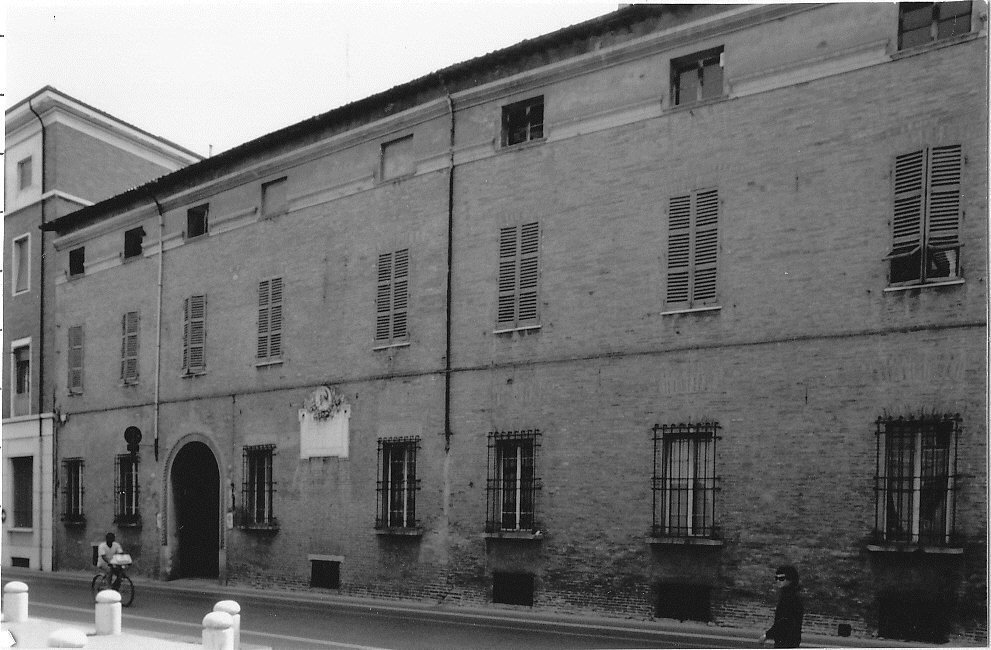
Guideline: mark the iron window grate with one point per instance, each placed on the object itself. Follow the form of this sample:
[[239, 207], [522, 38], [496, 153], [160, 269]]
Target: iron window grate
[[397, 483], [512, 484], [126, 489], [916, 480], [258, 486], [684, 482]]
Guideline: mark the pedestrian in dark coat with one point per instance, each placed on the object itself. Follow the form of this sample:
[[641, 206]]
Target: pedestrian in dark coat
[[787, 629]]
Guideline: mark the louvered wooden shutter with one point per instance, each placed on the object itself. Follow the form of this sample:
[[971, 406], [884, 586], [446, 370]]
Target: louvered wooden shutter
[[910, 171], [269, 319], [194, 334], [400, 293], [392, 296], [129, 347], [693, 245], [679, 248], [944, 197], [706, 245], [76, 359], [519, 272]]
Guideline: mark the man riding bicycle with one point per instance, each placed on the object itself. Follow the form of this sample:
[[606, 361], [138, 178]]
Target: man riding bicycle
[[106, 553]]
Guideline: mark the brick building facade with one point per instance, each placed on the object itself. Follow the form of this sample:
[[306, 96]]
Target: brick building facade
[[61, 154], [616, 320]]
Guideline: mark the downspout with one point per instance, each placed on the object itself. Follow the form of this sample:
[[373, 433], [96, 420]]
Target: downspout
[[450, 263], [41, 352], [158, 324]]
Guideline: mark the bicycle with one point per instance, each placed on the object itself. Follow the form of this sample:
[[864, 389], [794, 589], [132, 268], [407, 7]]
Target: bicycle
[[117, 581]]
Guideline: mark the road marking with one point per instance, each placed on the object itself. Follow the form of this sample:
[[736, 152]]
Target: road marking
[[244, 632]]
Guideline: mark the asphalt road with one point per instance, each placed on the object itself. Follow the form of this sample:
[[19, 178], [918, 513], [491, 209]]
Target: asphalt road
[[299, 625]]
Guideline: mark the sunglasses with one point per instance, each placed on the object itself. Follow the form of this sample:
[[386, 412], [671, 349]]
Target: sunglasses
[[780, 578]]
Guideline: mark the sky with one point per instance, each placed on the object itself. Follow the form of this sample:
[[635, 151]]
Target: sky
[[210, 75]]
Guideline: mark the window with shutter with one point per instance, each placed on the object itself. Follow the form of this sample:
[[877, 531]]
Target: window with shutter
[[519, 274], [194, 335], [75, 357], [926, 216], [129, 348], [392, 298], [269, 346], [693, 246]]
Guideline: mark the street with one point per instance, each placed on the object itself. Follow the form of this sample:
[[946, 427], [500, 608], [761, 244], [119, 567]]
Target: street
[[280, 623]]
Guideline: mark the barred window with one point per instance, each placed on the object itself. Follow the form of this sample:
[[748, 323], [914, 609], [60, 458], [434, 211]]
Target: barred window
[[512, 481], [392, 297], [258, 488], [75, 360], [126, 490], [269, 346], [684, 481], [916, 479], [130, 323], [194, 335], [72, 490], [397, 483]]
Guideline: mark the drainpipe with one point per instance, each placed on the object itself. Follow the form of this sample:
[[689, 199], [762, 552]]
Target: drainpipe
[[450, 262], [158, 325], [41, 349]]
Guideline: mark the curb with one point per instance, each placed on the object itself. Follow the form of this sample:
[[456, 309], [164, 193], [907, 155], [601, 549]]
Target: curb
[[494, 614]]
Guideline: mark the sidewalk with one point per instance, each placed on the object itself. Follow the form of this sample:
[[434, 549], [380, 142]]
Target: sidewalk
[[444, 612], [34, 633]]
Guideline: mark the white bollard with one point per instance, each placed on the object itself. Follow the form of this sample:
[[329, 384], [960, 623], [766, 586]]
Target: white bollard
[[15, 602], [108, 613], [67, 638], [231, 607], [217, 632]]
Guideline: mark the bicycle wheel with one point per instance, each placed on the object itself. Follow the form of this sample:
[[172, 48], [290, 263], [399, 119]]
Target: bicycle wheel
[[126, 591], [98, 584]]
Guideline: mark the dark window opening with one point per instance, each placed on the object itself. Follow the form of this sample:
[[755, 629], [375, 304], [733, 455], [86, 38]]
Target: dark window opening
[[22, 370], [697, 77], [23, 470], [523, 121], [196, 221], [512, 481], [913, 616], [924, 22], [916, 479], [397, 484], [258, 488], [24, 173], [325, 574], [77, 261], [684, 479], [20, 562], [684, 602], [72, 489], [126, 492], [133, 240], [512, 588]]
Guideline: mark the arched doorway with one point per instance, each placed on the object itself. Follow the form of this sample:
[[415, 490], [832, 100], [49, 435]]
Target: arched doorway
[[196, 495]]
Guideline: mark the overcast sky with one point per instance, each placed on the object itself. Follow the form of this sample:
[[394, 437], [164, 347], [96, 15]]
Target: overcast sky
[[221, 73]]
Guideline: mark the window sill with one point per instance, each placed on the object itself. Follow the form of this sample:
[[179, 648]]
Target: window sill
[[20, 529], [73, 521], [915, 548], [260, 528], [127, 384], [399, 531], [678, 108], [389, 346], [74, 276], [515, 534], [684, 541], [521, 328], [691, 310], [935, 45], [526, 144], [128, 523], [398, 178], [268, 362], [925, 285], [196, 373], [190, 240]]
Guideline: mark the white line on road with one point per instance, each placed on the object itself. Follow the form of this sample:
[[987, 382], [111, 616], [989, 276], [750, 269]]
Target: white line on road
[[151, 619]]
